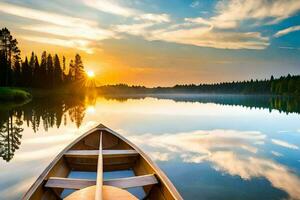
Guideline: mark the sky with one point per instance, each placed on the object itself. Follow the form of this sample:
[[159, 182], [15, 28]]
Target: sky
[[159, 42]]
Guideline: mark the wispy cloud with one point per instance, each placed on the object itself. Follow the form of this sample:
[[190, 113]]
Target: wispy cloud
[[219, 31], [83, 45], [111, 6], [289, 48], [76, 32], [90, 33], [287, 31], [209, 32], [133, 29], [195, 4], [45, 16], [284, 144], [275, 153], [158, 18], [230, 13], [207, 37], [117, 8]]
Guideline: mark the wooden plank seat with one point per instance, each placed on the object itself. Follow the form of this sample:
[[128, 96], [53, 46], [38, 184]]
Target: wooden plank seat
[[69, 183], [95, 153], [77, 184]]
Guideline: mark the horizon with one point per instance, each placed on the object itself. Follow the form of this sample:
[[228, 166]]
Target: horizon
[[160, 44]]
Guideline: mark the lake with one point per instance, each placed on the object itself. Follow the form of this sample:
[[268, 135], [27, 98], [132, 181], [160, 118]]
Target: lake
[[210, 146]]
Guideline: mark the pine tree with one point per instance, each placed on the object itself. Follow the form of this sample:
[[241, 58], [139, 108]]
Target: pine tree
[[36, 73], [43, 69], [50, 71], [26, 73], [57, 71], [17, 73], [64, 69], [79, 68], [9, 53], [71, 74]]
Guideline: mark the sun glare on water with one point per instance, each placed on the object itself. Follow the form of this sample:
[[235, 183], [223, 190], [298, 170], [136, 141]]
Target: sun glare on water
[[90, 74]]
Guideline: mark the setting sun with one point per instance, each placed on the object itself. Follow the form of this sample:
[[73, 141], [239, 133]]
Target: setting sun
[[90, 74]]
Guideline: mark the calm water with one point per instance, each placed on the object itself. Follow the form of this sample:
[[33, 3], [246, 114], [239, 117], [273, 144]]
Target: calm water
[[211, 147]]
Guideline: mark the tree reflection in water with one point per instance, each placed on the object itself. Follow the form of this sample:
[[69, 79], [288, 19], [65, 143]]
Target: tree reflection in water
[[10, 136], [42, 112]]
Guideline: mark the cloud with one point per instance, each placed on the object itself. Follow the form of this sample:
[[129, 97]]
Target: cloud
[[44, 16], [287, 31], [133, 29], [197, 36], [158, 18], [199, 20], [289, 48], [233, 11], [111, 6], [284, 144], [195, 4], [83, 45], [78, 33], [208, 37], [116, 8], [89, 33], [230, 13], [275, 153]]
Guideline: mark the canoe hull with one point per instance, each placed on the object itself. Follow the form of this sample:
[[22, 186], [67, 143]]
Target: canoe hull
[[118, 154]]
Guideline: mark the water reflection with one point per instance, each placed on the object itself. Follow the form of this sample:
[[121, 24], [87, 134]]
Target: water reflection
[[54, 111], [227, 151], [10, 136], [215, 143], [41, 112], [282, 104]]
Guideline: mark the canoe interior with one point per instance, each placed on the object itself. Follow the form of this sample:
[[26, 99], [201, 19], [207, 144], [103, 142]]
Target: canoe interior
[[81, 158]]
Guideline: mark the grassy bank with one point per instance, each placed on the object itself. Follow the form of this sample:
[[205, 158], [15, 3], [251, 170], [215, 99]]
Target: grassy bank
[[14, 94]]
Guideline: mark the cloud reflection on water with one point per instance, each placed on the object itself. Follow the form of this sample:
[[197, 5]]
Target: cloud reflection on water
[[236, 153]]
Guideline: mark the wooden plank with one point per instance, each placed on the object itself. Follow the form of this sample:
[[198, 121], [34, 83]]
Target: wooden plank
[[135, 181], [119, 153], [69, 183], [82, 154], [77, 184], [95, 153], [108, 164], [99, 181]]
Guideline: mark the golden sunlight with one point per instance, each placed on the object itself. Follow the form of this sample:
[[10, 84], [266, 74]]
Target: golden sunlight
[[90, 74], [90, 110]]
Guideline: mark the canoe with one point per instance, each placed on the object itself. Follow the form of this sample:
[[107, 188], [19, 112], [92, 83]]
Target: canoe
[[102, 164]]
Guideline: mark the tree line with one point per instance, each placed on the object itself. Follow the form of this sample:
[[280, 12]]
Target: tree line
[[47, 72], [285, 85]]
